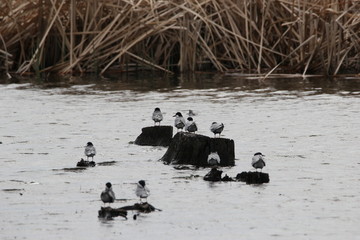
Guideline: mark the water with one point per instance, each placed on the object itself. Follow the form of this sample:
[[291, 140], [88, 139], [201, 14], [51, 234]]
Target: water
[[307, 128]]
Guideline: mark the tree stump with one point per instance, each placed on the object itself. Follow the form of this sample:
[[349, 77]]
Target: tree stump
[[253, 177], [155, 136], [193, 149]]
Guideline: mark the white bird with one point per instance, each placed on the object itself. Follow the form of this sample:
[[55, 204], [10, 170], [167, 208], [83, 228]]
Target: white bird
[[258, 161], [213, 159], [216, 128], [179, 121], [190, 125], [142, 191], [157, 116], [90, 151], [107, 196]]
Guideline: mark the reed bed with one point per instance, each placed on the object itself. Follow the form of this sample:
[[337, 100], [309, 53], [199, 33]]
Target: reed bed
[[252, 36]]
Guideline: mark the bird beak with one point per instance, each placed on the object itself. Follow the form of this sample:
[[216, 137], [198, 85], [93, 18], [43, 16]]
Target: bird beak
[[174, 115]]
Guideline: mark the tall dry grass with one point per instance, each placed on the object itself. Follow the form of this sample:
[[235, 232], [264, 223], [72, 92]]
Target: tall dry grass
[[261, 36]]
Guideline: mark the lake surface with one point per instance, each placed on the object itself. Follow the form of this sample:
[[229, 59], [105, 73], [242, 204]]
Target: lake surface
[[308, 128]]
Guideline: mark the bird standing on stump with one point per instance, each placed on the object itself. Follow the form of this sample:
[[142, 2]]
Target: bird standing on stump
[[90, 151], [157, 116], [142, 191], [217, 128], [258, 161], [107, 196], [179, 121], [190, 125]]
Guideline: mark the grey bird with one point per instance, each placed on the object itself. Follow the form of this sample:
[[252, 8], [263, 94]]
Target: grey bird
[[213, 159], [258, 161], [217, 128], [179, 121], [190, 125], [157, 116], [107, 196], [191, 113], [142, 191], [90, 151]]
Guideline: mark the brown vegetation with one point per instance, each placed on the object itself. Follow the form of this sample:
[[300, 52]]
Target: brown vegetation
[[261, 36]]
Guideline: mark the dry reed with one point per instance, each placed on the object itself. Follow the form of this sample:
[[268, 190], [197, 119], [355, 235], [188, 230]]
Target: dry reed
[[260, 36]]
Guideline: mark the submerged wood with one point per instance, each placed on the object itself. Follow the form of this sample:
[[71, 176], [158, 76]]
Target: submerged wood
[[253, 177], [301, 36], [109, 212], [214, 175], [155, 136], [84, 163], [194, 149], [141, 207]]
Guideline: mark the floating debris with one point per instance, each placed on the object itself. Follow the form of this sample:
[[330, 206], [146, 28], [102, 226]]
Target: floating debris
[[109, 163]]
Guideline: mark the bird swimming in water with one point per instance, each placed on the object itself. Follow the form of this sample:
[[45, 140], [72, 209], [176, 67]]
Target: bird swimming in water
[[191, 113], [90, 151], [179, 121], [142, 191], [190, 125], [157, 116], [217, 128], [213, 159], [258, 161], [107, 196]]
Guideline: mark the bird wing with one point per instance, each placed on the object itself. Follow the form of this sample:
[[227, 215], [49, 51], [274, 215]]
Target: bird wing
[[255, 159], [216, 126], [157, 116], [179, 122]]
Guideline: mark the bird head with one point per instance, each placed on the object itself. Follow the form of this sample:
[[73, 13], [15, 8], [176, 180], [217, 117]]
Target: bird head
[[190, 119], [157, 109], [142, 183], [258, 153], [89, 144], [108, 185], [178, 114]]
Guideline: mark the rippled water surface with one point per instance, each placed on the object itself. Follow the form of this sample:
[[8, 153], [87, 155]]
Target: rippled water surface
[[308, 128]]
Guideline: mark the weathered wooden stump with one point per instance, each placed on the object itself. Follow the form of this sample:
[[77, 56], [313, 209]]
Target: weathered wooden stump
[[155, 136], [109, 213], [83, 163], [253, 177], [193, 149]]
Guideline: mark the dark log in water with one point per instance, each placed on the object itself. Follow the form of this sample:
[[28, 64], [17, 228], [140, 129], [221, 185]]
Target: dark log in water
[[109, 213], [141, 207], [155, 136], [213, 176], [194, 149], [253, 177], [83, 163]]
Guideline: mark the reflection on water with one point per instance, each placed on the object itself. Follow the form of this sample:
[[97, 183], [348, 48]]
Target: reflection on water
[[151, 81], [308, 128]]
